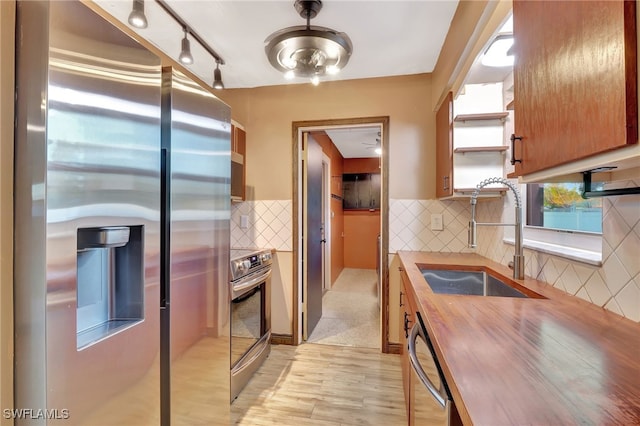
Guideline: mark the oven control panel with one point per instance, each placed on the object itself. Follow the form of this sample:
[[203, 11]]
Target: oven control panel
[[246, 263]]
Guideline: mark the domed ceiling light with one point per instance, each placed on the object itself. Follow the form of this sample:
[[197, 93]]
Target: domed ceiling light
[[306, 51]]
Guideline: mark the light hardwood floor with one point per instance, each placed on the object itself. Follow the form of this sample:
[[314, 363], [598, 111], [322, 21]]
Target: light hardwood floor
[[314, 384]]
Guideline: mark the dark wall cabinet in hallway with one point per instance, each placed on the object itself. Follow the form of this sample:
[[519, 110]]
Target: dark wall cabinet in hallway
[[361, 191]]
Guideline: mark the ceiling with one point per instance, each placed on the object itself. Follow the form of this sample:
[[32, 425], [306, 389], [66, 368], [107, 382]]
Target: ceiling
[[356, 142], [390, 38]]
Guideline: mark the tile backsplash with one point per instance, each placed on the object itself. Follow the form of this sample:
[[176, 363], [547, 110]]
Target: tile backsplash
[[615, 285], [268, 224], [410, 225]]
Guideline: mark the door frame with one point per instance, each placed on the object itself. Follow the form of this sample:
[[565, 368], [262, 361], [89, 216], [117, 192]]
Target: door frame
[[298, 128]]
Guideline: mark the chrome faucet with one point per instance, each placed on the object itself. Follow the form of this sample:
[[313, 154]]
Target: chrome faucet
[[518, 256]]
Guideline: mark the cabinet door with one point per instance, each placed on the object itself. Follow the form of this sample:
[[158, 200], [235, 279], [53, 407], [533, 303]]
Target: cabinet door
[[444, 148], [575, 80], [241, 142], [233, 138], [349, 193], [363, 190], [406, 321], [376, 188]]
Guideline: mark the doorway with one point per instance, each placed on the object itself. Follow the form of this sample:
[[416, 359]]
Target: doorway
[[304, 228]]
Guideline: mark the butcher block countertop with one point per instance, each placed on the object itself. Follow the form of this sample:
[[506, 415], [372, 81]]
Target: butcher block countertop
[[556, 360]]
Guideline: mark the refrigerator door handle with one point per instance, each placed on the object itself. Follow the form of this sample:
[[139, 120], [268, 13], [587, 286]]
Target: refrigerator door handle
[[165, 217]]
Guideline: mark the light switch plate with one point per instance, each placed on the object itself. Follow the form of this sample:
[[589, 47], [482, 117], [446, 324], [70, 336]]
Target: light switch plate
[[436, 222], [244, 221]]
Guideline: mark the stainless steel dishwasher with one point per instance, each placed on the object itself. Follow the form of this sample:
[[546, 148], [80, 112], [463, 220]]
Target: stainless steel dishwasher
[[430, 396]]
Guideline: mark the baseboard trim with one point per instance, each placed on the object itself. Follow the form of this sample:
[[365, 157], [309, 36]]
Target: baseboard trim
[[394, 348], [282, 339]]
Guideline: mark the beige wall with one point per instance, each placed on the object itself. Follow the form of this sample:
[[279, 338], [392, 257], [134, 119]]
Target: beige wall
[[270, 112], [281, 293], [7, 24]]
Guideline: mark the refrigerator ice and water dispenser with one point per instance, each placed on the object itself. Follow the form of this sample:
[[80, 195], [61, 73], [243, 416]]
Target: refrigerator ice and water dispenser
[[110, 281]]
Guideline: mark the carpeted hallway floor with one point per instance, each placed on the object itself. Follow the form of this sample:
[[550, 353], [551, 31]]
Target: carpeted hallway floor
[[350, 311]]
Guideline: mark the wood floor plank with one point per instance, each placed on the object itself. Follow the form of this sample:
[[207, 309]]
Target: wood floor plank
[[320, 385]]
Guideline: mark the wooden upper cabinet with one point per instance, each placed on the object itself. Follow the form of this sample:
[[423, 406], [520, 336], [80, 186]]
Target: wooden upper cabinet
[[238, 140], [238, 163], [444, 148], [233, 138], [575, 80], [241, 142]]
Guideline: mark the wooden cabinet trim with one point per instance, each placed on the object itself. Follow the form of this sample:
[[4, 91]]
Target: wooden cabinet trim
[[444, 148]]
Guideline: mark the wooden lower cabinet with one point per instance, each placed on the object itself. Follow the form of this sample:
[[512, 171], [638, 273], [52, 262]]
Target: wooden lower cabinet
[[406, 321], [420, 411]]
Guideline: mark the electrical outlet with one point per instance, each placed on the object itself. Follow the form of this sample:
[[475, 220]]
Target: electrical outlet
[[244, 221], [436, 222]]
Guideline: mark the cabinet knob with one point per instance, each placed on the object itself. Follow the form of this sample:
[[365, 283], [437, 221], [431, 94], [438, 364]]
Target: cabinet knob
[[514, 160]]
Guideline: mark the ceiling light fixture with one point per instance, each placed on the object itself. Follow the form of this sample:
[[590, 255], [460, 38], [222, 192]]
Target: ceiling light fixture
[[137, 17], [185, 54], [217, 77], [306, 51], [500, 52]]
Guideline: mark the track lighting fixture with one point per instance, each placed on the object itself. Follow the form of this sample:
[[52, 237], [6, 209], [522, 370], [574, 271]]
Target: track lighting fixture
[[217, 77], [185, 54], [137, 17]]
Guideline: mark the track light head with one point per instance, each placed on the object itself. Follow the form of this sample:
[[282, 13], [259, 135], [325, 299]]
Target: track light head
[[185, 54], [217, 77], [137, 17]]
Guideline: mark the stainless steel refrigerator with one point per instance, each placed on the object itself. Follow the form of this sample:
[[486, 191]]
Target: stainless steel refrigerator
[[196, 305], [122, 230]]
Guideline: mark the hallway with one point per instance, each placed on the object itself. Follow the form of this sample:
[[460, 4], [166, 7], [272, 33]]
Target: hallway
[[350, 311]]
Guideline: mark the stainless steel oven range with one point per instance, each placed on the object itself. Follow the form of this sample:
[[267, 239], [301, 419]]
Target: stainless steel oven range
[[250, 274]]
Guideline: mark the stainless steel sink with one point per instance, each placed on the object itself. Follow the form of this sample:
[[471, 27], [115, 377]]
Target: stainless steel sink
[[469, 283]]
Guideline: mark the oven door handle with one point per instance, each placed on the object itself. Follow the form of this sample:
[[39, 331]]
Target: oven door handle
[[416, 332], [253, 282]]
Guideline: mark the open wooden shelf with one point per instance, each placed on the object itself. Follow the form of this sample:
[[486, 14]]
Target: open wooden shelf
[[483, 116], [500, 190], [485, 193], [496, 148]]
